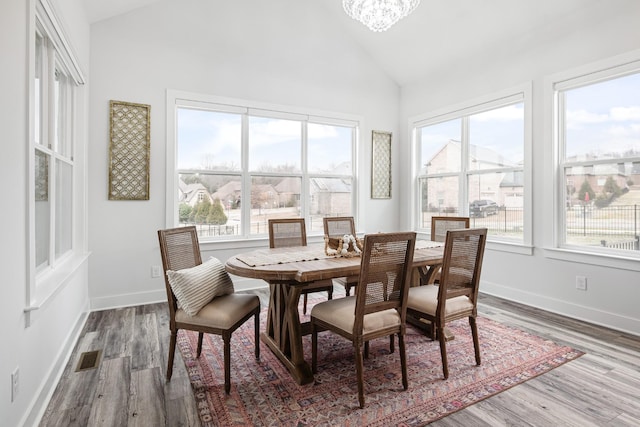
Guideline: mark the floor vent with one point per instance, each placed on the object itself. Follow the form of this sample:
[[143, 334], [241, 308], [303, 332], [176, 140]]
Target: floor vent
[[89, 360]]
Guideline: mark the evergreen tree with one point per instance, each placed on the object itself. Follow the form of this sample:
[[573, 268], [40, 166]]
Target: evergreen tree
[[216, 213], [184, 212], [202, 211]]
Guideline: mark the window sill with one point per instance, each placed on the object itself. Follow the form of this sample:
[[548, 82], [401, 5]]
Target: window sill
[[591, 258], [49, 284]]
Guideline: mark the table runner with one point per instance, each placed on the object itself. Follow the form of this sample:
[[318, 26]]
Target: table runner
[[263, 257]]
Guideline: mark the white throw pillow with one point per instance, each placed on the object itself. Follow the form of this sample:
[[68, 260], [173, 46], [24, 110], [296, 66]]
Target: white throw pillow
[[195, 287]]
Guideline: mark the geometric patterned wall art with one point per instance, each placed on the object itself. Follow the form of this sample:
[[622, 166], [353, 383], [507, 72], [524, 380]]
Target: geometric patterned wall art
[[381, 165], [129, 148]]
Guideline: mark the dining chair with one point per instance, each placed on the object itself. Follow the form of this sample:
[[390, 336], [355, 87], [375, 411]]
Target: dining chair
[[286, 232], [201, 296], [441, 224], [336, 227], [439, 227], [456, 296], [378, 308]]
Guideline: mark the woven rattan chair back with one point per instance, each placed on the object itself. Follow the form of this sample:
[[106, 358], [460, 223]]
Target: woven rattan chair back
[[462, 264], [384, 274], [287, 232], [441, 224], [338, 226]]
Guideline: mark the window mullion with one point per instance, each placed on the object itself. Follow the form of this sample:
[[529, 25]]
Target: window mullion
[[245, 208], [50, 139], [304, 191], [463, 184]]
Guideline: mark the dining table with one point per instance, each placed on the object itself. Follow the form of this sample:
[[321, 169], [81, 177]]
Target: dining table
[[288, 270]]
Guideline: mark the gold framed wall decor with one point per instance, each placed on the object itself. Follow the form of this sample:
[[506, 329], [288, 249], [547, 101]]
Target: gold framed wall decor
[[129, 150], [380, 165]]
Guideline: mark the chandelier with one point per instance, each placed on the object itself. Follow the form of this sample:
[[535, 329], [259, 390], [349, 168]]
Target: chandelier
[[379, 15]]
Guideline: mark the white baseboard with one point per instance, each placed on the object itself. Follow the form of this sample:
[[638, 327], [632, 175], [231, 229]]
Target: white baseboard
[[127, 300], [151, 297], [575, 311]]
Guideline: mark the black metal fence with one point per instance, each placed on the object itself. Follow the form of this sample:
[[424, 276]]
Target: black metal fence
[[616, 227]]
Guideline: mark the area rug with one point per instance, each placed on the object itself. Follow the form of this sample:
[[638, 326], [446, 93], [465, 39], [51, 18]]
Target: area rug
[[264, 394]]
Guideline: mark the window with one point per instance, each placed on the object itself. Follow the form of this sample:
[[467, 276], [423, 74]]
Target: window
[[236, 166], [53, 153], [56, 213], [470, 160], [598, 139]]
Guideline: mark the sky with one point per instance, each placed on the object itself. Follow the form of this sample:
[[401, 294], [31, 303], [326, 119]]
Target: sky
[[207, 138]]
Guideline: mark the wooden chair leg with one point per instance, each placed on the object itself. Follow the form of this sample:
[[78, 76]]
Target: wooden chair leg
[[474, 334], [443, 351], [403, 361], [359, 373], [314, 349], [227, 362], [392, 345], [347, 289], [200, 336], [366, 349], [172, 351], [256, 322], [304, 305]]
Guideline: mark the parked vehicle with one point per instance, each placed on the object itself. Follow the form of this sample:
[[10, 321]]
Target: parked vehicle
[[483, 208]]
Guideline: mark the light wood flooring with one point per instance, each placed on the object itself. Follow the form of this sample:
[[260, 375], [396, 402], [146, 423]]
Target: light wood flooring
[[601, 388]]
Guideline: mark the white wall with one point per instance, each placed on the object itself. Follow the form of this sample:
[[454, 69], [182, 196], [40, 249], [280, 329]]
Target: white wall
[[38, 350], [604, 30], [246, 50]]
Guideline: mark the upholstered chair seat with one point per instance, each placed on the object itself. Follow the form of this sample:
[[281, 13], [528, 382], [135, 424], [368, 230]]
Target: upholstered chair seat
[[340, 316], [222, 313]]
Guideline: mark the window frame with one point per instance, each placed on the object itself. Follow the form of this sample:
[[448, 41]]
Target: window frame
[[176, 99], [514, 95], [592, 73], [45, 281]]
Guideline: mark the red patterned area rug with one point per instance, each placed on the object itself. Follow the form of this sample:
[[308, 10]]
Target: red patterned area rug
[[264, 394]]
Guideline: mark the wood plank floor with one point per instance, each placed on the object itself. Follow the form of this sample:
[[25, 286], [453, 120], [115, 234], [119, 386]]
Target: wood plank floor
[[601, 388]]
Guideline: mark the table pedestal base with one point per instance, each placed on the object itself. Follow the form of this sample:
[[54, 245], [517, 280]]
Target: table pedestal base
[[284, 330]]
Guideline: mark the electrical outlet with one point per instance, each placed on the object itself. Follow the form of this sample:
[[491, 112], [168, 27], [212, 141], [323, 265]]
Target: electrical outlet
[[15, 383], [156, 271], [581, 283]]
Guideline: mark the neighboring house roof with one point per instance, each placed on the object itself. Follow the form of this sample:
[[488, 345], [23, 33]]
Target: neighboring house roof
[[332, 185], [289, 185], [189, 191], [230, 190]]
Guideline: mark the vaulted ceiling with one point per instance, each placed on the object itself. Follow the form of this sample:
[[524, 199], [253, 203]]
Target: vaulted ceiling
[[441, 33]]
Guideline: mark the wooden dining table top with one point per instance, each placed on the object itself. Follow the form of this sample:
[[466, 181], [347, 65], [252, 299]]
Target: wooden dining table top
[[305, 264]]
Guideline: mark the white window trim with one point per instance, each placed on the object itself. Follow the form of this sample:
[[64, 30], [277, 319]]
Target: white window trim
[[520, 93], [176, 98], [586, 74], [43, 286]]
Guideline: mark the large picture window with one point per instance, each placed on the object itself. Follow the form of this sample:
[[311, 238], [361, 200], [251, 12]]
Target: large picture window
[[598, 140], [237, 166], [471, 161]]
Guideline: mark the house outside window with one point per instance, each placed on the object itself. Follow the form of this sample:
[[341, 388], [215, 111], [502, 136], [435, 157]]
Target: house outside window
[[251, 164], [471, 160], [598, 143]]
